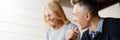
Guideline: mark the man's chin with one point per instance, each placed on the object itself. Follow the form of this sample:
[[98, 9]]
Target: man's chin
[[83, 28]]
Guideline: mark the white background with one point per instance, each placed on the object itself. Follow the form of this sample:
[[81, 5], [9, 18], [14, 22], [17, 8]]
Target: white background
[[23, 19]]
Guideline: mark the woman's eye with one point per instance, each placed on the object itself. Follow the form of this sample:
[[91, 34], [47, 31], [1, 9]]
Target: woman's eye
[[49, 15]]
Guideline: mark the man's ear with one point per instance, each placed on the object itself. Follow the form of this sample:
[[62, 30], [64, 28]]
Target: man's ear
[[88, 16]]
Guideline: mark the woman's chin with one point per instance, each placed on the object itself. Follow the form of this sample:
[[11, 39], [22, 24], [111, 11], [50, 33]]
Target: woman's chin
[[52, 24]]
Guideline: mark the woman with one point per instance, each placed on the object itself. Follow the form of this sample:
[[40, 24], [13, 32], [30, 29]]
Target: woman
[[54, 16]]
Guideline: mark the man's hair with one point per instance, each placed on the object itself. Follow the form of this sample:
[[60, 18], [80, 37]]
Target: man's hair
[[90, 5]]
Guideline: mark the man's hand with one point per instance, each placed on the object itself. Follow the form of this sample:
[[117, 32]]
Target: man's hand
[[72, 34]]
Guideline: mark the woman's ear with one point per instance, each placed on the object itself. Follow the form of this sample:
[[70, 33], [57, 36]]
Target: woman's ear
[[88, 16]]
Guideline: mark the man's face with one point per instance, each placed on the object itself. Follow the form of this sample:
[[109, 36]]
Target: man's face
[[80, 16]]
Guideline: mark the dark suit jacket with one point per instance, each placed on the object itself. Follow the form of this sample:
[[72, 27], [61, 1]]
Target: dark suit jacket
[[110, 31]]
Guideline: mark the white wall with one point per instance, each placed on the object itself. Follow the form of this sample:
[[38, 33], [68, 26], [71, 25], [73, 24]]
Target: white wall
[[112, 11], [21, 19]]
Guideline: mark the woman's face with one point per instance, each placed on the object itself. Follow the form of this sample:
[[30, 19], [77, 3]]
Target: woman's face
[[51, 19]]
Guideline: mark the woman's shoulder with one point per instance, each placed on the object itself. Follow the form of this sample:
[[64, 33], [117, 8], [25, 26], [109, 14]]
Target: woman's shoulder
[[71, 25], [48, 31]]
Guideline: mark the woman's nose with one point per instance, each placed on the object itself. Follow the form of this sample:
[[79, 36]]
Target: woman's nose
[[48, 18]]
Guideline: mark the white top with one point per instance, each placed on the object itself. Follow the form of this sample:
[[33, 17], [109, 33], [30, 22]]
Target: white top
[[61, 33]]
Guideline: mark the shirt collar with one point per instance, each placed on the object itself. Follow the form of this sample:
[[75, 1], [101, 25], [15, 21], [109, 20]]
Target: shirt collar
[[99, 26]]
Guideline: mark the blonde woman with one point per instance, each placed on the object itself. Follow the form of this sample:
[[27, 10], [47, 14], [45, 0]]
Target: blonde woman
[[54, 17]]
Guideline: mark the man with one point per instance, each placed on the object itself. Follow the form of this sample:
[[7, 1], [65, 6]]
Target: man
[[86, 14]]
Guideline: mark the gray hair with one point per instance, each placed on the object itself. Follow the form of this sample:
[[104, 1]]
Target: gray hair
[[89, 5]]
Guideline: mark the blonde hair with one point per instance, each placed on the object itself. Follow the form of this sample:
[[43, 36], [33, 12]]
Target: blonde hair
[[55, 9]]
